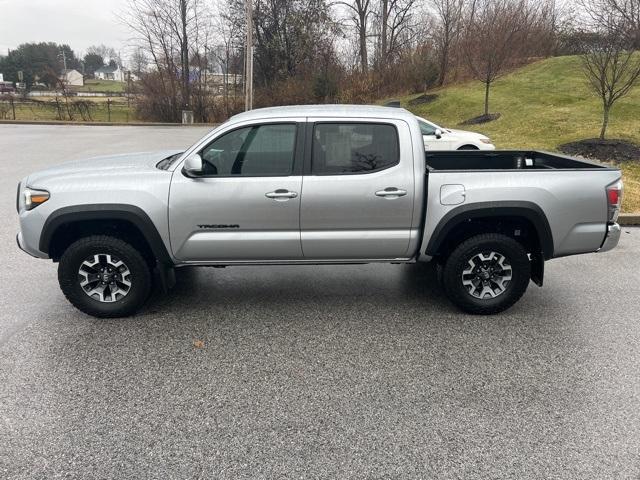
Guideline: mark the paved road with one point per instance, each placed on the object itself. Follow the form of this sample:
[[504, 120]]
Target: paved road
[[311, 372]]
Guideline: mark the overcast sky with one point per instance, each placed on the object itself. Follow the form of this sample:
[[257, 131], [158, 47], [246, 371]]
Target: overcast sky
[[79, 23]]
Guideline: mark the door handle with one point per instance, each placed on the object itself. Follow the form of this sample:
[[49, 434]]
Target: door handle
[[391, 192], [281, 194]]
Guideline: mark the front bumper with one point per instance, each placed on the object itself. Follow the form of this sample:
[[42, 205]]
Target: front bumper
[[486, 146], [19, 242], [20, 246], [24, 246], [612, 238]]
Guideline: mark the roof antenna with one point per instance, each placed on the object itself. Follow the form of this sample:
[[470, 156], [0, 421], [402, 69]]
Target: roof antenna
[[393, 104]]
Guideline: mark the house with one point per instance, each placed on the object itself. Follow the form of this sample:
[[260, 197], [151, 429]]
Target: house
[[217, 82], [111, 73], [6, 87], [72, 78]]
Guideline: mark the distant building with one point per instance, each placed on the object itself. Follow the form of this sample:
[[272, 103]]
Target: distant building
[[217, 82], [72, 78], [6, 87], [111, 73]]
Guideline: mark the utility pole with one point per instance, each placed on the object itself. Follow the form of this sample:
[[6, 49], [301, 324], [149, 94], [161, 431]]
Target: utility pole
[[248, 78], [64, 59], [206, 65]]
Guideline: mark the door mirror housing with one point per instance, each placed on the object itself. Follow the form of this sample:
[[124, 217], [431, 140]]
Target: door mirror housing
[[193, 165], [438, 133]]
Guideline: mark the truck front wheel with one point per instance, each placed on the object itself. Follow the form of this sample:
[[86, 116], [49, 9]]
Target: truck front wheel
[[486, 274], [104, 277]]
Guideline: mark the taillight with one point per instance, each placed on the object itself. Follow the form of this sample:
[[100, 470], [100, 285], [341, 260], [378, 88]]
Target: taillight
[[614, 200]]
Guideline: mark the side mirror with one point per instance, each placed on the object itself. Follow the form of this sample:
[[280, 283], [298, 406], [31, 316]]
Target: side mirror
[[193, 165], [438, 133]]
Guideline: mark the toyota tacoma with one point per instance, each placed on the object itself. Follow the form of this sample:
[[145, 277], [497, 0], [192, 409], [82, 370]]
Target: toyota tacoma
[[315, 185]]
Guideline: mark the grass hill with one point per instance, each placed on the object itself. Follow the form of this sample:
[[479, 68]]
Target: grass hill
[[542, 106]]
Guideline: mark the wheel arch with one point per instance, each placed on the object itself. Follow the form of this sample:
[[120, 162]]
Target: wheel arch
[[467, 217], [61, 226]]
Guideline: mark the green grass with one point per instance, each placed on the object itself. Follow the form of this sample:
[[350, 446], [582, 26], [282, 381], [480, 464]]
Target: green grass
[[542, 105], [105, 86]]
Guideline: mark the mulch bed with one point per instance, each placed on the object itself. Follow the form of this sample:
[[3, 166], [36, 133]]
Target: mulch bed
[[423, 99], [609, 150], [481, 119]]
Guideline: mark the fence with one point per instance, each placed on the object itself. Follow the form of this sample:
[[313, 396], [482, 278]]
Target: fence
[[68, 109], [37, 93]]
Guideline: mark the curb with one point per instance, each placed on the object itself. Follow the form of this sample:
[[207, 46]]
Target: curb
[[629, 219], [104, 124]]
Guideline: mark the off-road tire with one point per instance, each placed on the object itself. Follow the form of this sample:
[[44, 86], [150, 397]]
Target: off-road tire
[[458, 261], [69, 278]]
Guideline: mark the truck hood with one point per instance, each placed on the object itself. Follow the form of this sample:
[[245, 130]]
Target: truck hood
[[104, 166]]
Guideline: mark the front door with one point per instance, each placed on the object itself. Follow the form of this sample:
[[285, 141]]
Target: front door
[[358, 193], [246, 204]]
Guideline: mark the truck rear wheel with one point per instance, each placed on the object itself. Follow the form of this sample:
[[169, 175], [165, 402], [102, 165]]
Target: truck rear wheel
[[104, 277], [486, 274]]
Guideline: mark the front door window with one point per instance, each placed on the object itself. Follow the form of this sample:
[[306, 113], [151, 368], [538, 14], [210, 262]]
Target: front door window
[[256, 151]]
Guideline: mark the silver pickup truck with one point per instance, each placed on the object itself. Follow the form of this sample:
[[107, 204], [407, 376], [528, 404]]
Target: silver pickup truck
[[315, 185]]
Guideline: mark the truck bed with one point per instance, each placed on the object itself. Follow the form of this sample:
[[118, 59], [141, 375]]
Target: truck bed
[[569, 195], [505, 160]]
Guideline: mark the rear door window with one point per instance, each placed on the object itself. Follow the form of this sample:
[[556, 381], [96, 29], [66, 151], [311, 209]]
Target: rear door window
[[352, 148]]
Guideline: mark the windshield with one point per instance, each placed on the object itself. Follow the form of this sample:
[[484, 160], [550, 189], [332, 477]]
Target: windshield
[[166, 163], [427, 128]]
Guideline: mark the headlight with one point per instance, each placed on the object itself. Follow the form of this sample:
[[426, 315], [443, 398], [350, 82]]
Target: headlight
[[486, 140], [33, 198]]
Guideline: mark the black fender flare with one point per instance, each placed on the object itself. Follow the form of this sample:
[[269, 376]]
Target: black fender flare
[[463, 213], [104, 212]]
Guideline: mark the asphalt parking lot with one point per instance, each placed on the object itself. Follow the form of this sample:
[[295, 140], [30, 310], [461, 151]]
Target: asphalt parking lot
[[311, 372]]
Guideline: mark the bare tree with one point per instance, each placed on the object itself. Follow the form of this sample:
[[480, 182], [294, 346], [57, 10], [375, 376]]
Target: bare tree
[[496, 32], [138, 62], [147, 19], [396, 26], [107, 53], [181, 16], [169, 33], [288, 34], [360, 12], [610, 65], [626, 12], [450, 14], [230, 26]]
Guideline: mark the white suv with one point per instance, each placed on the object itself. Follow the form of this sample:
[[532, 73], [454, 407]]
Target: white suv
[[440, 138]]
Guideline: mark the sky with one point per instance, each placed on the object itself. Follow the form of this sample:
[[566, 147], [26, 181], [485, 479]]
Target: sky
[[78, 23]]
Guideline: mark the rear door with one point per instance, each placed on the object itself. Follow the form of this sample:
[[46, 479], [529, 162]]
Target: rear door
[[358, 190], [246, 204]]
